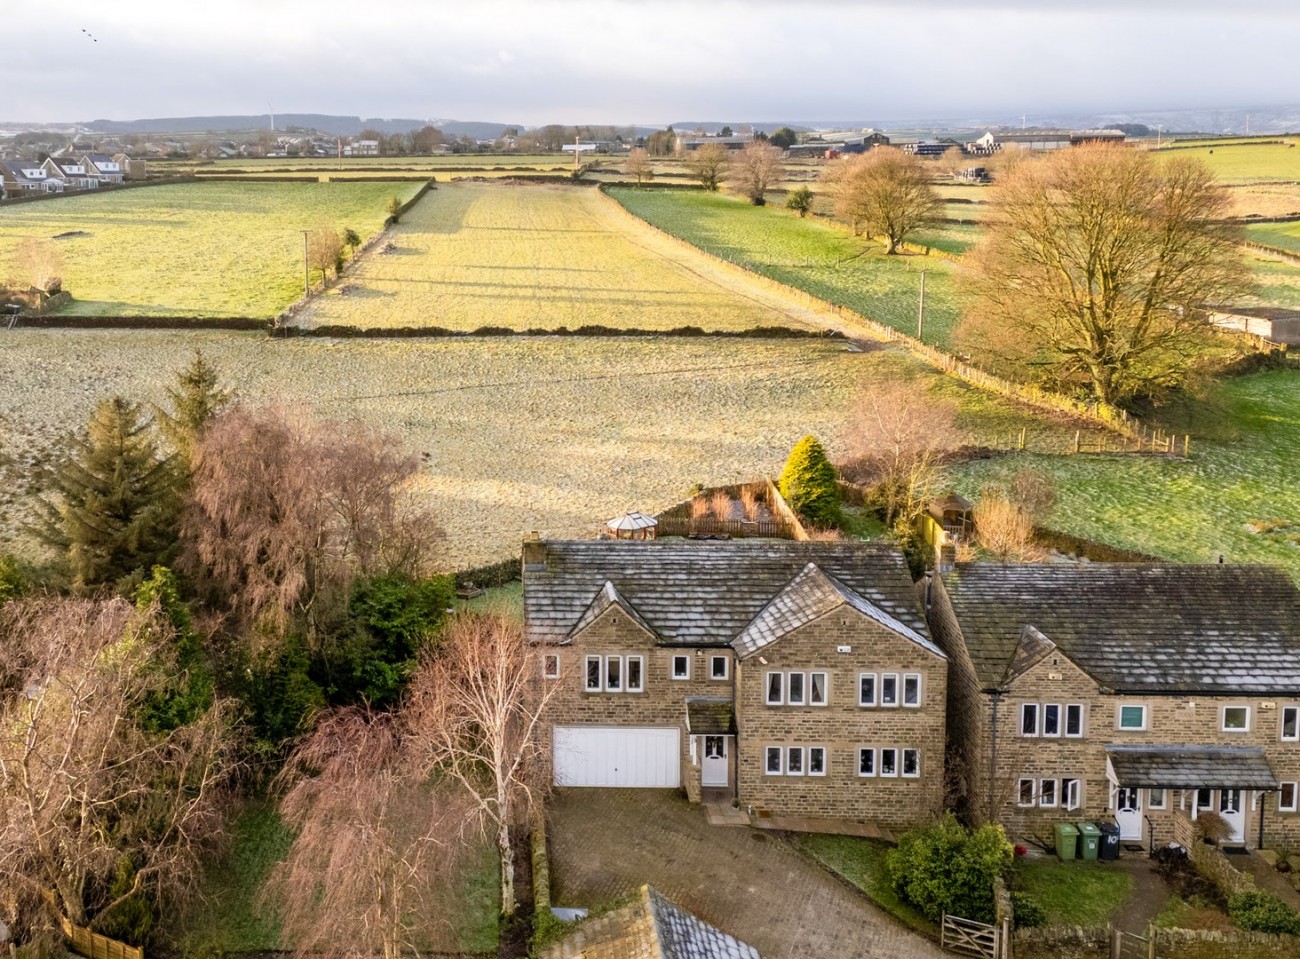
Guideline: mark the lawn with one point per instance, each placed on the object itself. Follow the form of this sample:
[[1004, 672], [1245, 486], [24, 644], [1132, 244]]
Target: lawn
[[1244, 162], [821, 258], [1073, 893], [1235, 497], [862, 863], [206, 249], [541, 257]]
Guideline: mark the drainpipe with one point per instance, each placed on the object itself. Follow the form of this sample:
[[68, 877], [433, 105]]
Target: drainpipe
[[993, 758], [735, 752], [1262, 803]]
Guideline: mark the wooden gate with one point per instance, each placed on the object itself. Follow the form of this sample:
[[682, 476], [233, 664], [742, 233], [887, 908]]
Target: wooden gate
[[1126, 945], [966, 937]]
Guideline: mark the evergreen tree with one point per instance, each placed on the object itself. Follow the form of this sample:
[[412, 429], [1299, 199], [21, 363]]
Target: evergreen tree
[[116, 507], [808, 483], [195, 399]]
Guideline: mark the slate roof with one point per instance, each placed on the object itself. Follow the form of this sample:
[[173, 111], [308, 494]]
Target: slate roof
[[704, 593], [1137, 627], [1191, 767], [603, 600], [710, 716], [811, 595]]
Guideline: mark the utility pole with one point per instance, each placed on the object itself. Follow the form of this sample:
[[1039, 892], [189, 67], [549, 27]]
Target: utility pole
[[920, 313], [577, 144], [1158, 130], [306, 267]]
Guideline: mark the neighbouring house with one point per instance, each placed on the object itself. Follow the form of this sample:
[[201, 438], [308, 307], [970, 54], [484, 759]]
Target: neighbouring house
[[133, 168], [1150, 693], [20, 177], [796, 677], [104, 168], [650, 927], [74, 174]]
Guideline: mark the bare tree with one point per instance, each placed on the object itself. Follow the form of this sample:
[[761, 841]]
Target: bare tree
[[709, 164], [372, 840], [284, 512], [1003, 528], [83, 781], [883, 192], [638, 166], [952, 161], [38, 265], [324, 249], [478, 706], [897, 439], [1096, 269], [756, 168]]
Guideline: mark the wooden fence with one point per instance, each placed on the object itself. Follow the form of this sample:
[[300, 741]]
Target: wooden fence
[[94, 946], [709, 526], [1142, 440]]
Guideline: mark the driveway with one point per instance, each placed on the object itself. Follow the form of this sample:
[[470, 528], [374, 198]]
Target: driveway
[[605, 843]]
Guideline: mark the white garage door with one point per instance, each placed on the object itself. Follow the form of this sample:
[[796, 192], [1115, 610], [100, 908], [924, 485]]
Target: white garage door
[[617, 756]]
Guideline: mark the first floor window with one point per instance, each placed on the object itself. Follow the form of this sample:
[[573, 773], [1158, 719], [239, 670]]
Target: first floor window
[[1236, 719], [817, 689], [774, 760], [718, 667], [1132, 717], [912, 690], [816, 760], [1291, 722], [1074, 719], [1070, 793], [1286, 797], [866, 762], [911, 762], [1051, 720], [775, 685], [1156, 798], [794, 694], [1029, 719], [889, 689], [551, 666], [794, 761], [1025, 793], [866, 689], [889, 762], [635, 675], [1047, 793], [681, 667], [613, 674], [593, 673]]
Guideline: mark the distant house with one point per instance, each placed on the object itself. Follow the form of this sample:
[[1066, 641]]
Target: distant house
[[133, 168], [362, 148], [74, 174], [103, 168], [20, 177]]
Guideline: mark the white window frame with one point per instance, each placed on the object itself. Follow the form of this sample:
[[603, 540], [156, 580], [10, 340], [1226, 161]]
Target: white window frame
[[894, 751], [1043, 717], [1295, 724], [902, 766], [1026, 710], [875, 690], [825, 760], [600, 674], [627, 674], [549, 660], [789, 688], [826, 688], [915, 680], [1295, 797], [1065, 729], [1071, 793], [681, 658], [726, 668], [875, 768], [1151, 799], [1223, 719], [1119, 717], [1046, 786], [768, 699], [768, 753], [790, 753], [622, 675], [880, 694], [1020, 793]]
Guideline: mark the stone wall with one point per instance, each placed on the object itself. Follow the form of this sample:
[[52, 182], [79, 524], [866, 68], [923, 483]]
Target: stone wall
[[1215, 866], [1062, 942], [1233, 944]]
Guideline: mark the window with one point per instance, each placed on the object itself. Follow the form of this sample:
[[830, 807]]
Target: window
[[1157, 798], [1132, 717], [889, 762], [718, 666], [889, 689], [1029, 719], [817, 689], [912, 690], [794, 761], [1051, 720], [1204, 799], [1236, 719], [1074, 719], [1286, 797], [1291, 722], [816, 760], [681, 667], [593, 674], [775, 684], [1047, 793], [550, 666], [866, 762], [1070, 793], [635, 675], [1026, 793], [613, 674], [911, 762], [773, 767], [866, 689], [794, 694]]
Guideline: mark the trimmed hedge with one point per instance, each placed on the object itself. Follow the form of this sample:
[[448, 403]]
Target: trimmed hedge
[[491, 574]]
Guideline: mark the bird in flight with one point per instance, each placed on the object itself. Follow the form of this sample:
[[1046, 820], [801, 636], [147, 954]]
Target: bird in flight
[[89, 34]]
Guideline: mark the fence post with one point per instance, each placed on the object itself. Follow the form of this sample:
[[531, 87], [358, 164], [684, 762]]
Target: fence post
[[1151, 940], [1076, 440], [943, 930]]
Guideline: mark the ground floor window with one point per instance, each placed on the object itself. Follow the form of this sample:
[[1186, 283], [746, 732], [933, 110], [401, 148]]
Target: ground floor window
[[1049, 793], [1286, 797]]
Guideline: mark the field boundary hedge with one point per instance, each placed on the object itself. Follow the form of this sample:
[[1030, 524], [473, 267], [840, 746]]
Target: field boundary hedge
[[1103, 414], [85, 321], [441, 332], [105, 188], [1289, 255]]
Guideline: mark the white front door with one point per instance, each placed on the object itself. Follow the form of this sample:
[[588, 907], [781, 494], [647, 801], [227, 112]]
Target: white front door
[[714, 769], [1233, 812], [1128, 812]]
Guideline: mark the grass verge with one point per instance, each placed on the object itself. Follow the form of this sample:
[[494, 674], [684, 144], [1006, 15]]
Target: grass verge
[[862, 863], [1073, 893]]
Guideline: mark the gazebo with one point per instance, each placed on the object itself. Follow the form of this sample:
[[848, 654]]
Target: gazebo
[[632, 526], [953, 513]]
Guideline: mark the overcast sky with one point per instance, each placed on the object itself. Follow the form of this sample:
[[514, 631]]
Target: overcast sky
[[643, 61]]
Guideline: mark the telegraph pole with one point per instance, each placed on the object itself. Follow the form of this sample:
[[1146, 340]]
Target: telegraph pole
[[920, 313]]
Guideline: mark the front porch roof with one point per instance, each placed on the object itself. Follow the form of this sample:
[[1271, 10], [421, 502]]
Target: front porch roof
[[706, 716], [1190, 767]]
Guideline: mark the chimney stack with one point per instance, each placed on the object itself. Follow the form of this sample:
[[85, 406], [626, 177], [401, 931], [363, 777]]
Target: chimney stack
[[534, 553]]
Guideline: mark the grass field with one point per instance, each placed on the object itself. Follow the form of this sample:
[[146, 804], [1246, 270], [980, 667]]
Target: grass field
[[541, 257], [550, 434], [209, 249], [1277, 282], [1285, 236], [819, 258], [1244, 162]]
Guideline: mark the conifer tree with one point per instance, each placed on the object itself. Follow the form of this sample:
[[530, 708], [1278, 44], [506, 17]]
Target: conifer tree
[[116, 508], [195, 399], [808, 483]]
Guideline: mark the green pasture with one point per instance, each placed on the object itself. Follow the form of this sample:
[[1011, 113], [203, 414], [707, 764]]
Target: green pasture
[[195, 249], [1285, 236], [1244, 162]]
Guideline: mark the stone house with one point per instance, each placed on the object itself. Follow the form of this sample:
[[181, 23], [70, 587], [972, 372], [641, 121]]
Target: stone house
[[103, 167], [1150, 693], [796, 677]]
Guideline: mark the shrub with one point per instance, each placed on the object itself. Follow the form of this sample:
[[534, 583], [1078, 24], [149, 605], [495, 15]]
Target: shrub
[[947, 868], [1260, 912], [808, 483], [1028, 912], [800, 200], [12, 581]]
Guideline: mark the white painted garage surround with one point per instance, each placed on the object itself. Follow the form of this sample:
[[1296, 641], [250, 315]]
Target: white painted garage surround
[[620, 756]]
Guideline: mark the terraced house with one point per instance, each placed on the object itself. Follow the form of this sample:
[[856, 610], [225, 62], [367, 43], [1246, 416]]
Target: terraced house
[[1148, 693], [798, 678]]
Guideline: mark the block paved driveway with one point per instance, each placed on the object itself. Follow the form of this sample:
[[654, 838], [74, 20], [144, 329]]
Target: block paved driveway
[[606, 842]]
